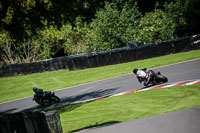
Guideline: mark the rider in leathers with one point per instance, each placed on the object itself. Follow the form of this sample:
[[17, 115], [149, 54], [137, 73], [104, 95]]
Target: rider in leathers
[[142, 75], [40, 93]]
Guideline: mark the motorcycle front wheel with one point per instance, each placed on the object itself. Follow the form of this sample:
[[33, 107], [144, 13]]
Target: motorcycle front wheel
[[55, 99]]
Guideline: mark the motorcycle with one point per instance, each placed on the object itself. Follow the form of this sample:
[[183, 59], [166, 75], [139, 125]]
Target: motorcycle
[[48, 98], [155, 78]]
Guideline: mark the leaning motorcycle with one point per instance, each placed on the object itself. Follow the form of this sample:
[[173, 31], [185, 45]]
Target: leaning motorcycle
[[155, 78], [47, 99]]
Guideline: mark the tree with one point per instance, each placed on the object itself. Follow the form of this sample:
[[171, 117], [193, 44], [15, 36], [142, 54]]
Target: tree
[[155, 26], [75, 39], [186, 16], [113, 28]]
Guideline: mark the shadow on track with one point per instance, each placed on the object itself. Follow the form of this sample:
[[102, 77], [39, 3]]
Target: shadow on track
[[66, 103], [89, 95], [145, 87], [7, 111]]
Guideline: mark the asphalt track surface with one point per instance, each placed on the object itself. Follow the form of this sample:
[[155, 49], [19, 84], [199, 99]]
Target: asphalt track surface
[[185, 121], [189, 70]]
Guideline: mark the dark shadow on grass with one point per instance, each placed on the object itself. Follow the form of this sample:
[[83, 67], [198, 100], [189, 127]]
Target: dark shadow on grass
[[97, 125], [68, 107]]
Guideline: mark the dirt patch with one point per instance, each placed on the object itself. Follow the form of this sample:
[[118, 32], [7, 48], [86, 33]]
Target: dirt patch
[[177, 99]]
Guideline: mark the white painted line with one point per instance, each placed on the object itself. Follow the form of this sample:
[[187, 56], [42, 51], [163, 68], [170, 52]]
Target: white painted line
[[15, 100], [82, 101], [82, 91], [191, 83], [169, 85], [145, 89], [176, 63], [127, 92], [126, 74], [103, 80], [118, 94]]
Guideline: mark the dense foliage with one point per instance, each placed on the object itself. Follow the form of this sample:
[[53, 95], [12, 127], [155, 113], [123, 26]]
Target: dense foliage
[[33, 30]]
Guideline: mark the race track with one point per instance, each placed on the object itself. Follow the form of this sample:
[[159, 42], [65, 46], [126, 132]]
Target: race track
[[184, 121], [189, 70]]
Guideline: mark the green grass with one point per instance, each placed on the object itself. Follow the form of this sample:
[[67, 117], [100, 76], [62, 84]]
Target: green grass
[[128, 107], [21, 86]]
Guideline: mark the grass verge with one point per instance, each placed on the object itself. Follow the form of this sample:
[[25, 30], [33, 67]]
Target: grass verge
[[128, 107], [21, 86]]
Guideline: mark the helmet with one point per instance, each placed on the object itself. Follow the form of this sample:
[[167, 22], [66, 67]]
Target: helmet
[[35, 89], [135, 70]]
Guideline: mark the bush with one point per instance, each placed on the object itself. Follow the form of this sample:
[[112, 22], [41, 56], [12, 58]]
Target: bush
[[75, 38], [13, 52], [41, 46], [155, 26], [51, 41], [7, 48]]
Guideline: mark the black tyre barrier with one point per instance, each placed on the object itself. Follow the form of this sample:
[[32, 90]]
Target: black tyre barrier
[[64, 62], [31, 122], [135, 52]]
